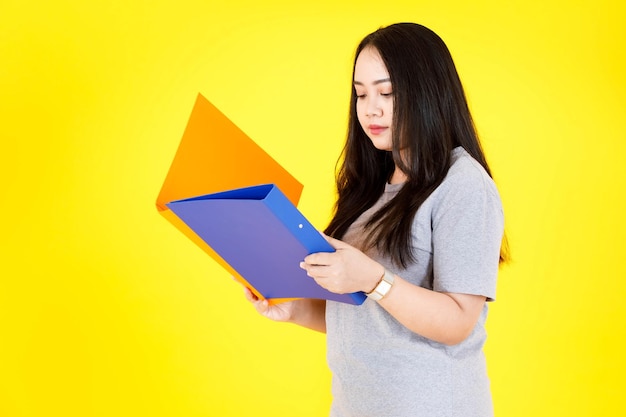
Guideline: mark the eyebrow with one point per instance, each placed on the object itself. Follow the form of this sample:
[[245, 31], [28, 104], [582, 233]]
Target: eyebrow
[[383, 80]]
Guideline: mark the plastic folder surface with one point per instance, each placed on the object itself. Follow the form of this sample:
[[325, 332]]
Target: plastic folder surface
[[263, 236], [215, 155]]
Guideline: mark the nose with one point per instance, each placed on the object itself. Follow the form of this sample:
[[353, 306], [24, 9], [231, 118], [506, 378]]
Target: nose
[[372, 107]]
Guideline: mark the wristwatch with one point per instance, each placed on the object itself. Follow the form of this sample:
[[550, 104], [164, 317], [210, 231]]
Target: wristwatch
[[383, 287]]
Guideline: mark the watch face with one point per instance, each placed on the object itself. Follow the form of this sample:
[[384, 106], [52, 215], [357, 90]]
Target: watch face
[[383, 286]]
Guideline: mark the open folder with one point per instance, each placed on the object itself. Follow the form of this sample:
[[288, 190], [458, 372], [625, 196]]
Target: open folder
[[263, 236], [239, 205]]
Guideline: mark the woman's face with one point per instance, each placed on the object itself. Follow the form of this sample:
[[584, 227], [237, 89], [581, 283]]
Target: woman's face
[[374, 105]]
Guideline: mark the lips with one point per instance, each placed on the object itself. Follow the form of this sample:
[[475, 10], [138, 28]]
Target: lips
[[376, 129]]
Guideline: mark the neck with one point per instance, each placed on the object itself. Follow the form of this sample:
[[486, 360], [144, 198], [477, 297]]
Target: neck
[[397, 177]]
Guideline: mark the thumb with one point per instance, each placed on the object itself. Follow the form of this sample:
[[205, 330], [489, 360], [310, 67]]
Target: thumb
[[335, 243]]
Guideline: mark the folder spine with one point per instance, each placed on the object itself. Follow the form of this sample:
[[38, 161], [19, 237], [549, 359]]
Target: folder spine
[[295, 222]]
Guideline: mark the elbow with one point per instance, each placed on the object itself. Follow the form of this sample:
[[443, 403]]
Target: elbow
[[458, 328], [452, 341], [456, 337]]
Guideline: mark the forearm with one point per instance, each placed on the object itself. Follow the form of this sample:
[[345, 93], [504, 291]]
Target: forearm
[[310, 313], [444, 318]]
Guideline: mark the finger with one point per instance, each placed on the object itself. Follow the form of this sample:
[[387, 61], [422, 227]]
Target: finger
[[328, 284], [250, 296], [262, 306], [315, 271], [335, 243], [319, 258]]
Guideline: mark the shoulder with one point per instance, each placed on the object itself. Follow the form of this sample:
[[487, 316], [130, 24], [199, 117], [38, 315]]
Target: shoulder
[[466, 187], [465, 172]]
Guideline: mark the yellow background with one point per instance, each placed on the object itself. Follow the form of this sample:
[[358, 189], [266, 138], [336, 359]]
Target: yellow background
[[106, 309]]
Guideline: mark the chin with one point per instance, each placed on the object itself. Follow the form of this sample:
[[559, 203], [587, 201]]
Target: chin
[[381, 144]]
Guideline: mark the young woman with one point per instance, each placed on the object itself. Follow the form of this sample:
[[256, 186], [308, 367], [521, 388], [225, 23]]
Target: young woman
[[418, 226]]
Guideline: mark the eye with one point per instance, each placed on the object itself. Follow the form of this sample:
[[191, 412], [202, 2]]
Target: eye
[[387, 94]]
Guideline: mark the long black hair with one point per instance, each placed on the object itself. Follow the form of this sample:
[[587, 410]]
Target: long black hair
[[431, 117]]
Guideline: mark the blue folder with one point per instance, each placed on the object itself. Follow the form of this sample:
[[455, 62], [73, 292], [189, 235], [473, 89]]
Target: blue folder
[[262, 236]]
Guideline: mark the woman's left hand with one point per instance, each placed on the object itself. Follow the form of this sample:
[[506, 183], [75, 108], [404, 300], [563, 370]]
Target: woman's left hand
[[344, 271]]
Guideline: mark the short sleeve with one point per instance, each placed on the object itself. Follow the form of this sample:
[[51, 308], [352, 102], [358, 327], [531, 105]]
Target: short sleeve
[[467, 225]]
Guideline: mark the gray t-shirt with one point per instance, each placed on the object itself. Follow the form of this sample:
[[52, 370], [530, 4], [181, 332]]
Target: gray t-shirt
[[382, 369]]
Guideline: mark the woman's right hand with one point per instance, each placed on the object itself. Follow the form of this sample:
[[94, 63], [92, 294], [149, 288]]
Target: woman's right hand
[[277, 312]]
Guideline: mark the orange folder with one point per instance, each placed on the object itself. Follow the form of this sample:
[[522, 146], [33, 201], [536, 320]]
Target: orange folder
[[215, 155]]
